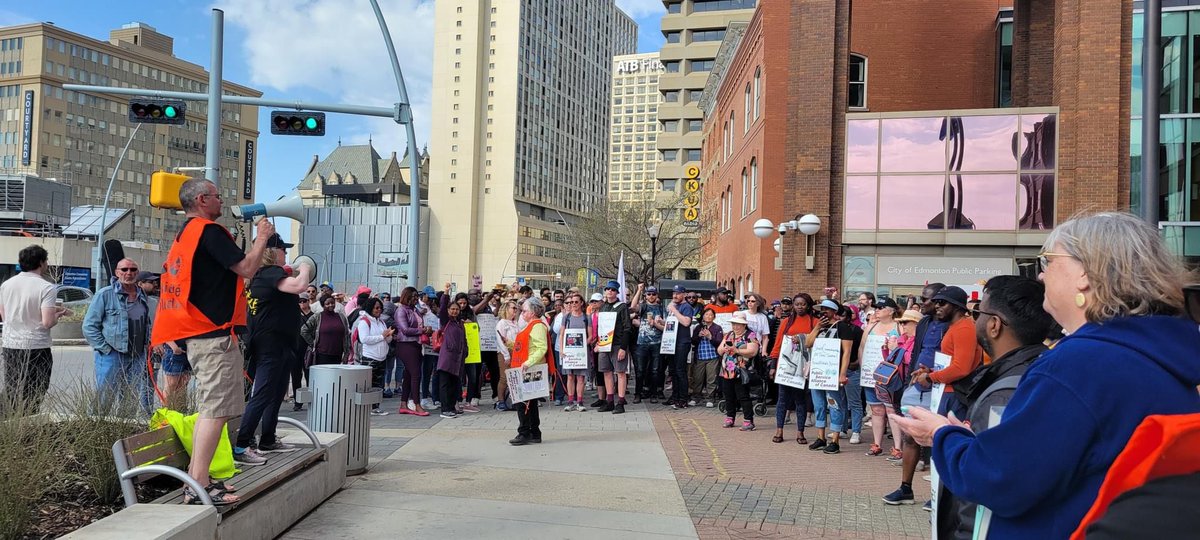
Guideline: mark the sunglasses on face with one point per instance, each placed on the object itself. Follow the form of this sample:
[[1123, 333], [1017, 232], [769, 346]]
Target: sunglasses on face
[[975, 313], [569, 302], [303, 301], [134, 269]]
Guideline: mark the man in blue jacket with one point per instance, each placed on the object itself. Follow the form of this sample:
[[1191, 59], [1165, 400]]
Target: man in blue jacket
[[117, 326]]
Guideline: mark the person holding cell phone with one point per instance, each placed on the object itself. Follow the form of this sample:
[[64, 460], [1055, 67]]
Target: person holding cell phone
[[828, 403], [737, 352]]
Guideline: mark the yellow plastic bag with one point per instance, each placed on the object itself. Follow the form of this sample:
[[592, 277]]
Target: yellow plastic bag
[[222, 466], [472, 330]]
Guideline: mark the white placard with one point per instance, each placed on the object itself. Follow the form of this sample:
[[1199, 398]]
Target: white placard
[[606, 325], [723, 320], [793, 362], [872, 356], [574, 350], [825, 364], [940, 361], [524, 385], [489, 340], [670, 334]]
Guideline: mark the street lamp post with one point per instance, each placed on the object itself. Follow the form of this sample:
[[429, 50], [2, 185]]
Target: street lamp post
[[653, 229]]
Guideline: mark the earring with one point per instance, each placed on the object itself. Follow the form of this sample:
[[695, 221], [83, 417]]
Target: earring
[[1080, 300]]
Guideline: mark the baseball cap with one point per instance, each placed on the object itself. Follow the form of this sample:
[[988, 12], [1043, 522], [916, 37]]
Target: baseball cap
[[829, 304], [597, 297], [428, 290], [775, 302], [679, 289], [886, 301], [147, 276], [651, 290], [305, 296], [612, 284], [722, 290], [276, 241], [363, 289], [952, 295], [326, 285]]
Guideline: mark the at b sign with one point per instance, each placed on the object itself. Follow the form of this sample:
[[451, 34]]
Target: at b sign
[[890, 270]]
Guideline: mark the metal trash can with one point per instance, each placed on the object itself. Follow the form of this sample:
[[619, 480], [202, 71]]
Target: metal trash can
[[339, 399]]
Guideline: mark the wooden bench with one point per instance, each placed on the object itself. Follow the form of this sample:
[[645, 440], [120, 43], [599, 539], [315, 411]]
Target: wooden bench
[[159, 452]]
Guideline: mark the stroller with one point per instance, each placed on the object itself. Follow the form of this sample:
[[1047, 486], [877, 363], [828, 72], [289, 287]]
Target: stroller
[[758, 387]]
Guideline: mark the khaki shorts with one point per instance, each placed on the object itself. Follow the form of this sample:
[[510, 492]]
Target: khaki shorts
[[217, 368]]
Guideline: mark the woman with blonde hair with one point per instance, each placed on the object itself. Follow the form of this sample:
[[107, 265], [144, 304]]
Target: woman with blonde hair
[[1128, 354], [507, 327]]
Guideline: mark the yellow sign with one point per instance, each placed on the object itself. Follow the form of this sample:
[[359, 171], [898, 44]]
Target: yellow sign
[[693, 172], [691, 214], [691, 200], [692, 185]]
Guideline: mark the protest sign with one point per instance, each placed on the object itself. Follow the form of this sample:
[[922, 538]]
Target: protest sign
[[940, 361], [793, 362], [524, 385], [723, 319], [574, 350], [825, 363], [606, 325], [669, 336], [872, 356], [472, 331], [489, 340]]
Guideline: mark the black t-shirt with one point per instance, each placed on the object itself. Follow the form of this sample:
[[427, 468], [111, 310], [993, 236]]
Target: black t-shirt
[[847, 331], [274, 314], [214, 285]]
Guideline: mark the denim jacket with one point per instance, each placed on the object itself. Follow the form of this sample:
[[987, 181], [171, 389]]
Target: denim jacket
[[106, 325]]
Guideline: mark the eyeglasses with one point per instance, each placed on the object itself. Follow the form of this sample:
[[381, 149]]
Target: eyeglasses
[[1044, 258], [975, 313], [940, 302], [217, 195], [751, 301], [609, 289], [569, 302], [134, 269], [303, 301]]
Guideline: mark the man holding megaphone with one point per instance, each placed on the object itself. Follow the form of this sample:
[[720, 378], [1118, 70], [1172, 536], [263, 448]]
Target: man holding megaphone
[[202, 302]]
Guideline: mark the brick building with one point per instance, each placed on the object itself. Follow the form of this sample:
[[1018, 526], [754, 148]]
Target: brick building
[[933, 144]]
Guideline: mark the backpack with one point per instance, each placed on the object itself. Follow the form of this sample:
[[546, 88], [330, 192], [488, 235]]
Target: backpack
[[890, 376]]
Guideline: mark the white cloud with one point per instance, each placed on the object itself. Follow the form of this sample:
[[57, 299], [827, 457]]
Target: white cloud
[[335, 47], [641, 8]]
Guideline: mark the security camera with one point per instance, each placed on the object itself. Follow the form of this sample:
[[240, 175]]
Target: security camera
[[783, 228]]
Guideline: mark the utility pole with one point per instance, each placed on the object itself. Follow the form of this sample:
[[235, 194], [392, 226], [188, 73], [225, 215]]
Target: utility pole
[[215, 82], [1151, 85]]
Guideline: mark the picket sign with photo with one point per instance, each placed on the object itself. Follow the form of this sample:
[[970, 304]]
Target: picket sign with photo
[[606, 326], [793, 362], [574, 350], [872, 356], [669, 336], [527, 384]]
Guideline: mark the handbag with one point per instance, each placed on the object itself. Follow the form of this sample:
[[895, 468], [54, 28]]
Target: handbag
[[436, 342], [889, 377]]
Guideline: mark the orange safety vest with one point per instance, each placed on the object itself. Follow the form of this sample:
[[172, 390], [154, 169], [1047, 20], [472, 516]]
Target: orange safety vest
[[520, 352], [1161, 446], [177, 318]]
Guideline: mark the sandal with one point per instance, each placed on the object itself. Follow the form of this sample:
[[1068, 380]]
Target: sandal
[[875, 450], [777, 439], [801, 440], [219, 496], [228, 489]]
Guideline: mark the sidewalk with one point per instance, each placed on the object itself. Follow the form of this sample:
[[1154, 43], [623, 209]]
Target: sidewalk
[[594, 476]]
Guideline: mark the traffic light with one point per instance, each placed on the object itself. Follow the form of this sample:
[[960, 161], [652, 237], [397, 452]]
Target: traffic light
[[297, 123], [157, 111]]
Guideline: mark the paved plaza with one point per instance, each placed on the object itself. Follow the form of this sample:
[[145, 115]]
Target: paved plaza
[[650, 473]]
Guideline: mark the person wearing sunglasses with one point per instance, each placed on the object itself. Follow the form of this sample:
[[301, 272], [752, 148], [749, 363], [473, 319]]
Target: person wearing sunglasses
[[117, 326], [959, 344], [1129, 354]]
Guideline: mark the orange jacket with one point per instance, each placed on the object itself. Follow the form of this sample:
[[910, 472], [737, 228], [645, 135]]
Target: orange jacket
[[520, 353], [1161, 446], [177, 318]]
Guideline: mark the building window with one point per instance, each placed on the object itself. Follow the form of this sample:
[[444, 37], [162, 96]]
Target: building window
[[725, 140], [753, 184], [729, 135], [858, 82], [745, 192], [708, 35], [672, 37], [671, 96], [757, 92], [705, 64], [693, 154], [677, 7], [721, 5], [672, 66], [1004, 55], [746, 115], [670, 155]]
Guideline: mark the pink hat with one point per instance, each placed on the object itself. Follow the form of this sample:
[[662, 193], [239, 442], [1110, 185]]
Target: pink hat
[[363, 289]]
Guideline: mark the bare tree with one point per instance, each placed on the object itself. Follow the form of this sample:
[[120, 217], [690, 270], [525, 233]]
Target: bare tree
[[616, 227]]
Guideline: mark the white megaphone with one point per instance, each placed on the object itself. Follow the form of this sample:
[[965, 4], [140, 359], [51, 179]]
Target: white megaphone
[[289, 207]]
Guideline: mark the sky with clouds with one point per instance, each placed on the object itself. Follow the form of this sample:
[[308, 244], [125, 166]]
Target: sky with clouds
[[308, 50]]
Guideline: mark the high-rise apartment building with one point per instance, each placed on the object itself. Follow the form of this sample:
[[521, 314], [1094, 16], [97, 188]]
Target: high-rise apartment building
[[633, 153], [694, 30], [520, 132], [76, 137]]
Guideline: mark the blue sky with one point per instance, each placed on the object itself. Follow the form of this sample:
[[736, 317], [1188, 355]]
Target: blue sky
[[303, 50]]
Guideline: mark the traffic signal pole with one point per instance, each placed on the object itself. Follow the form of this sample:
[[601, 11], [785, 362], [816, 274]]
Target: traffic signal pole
[[212, 154], [400, 113]]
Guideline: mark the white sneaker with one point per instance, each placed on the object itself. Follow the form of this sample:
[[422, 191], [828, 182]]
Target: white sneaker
[[809, 421], [921, 466], [412, 406], [378, 412], [427, 403], [708, 404], [570, 407], [580, 407], [855, 439], [692, 403]]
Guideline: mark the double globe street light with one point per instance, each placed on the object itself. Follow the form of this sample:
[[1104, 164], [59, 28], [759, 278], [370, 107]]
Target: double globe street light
[[808, 225]]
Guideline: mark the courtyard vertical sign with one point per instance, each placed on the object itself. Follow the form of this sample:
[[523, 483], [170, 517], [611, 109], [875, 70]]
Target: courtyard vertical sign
[[248, 182], [27, 130]]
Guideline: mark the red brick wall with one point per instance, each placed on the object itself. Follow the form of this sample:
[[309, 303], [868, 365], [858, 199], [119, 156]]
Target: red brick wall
[[927, 55]]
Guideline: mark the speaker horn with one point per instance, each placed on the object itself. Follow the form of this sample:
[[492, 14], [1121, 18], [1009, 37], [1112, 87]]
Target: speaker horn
[[289, 207]]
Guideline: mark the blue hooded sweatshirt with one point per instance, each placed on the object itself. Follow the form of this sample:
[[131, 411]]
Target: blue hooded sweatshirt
[[1039, 470]]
